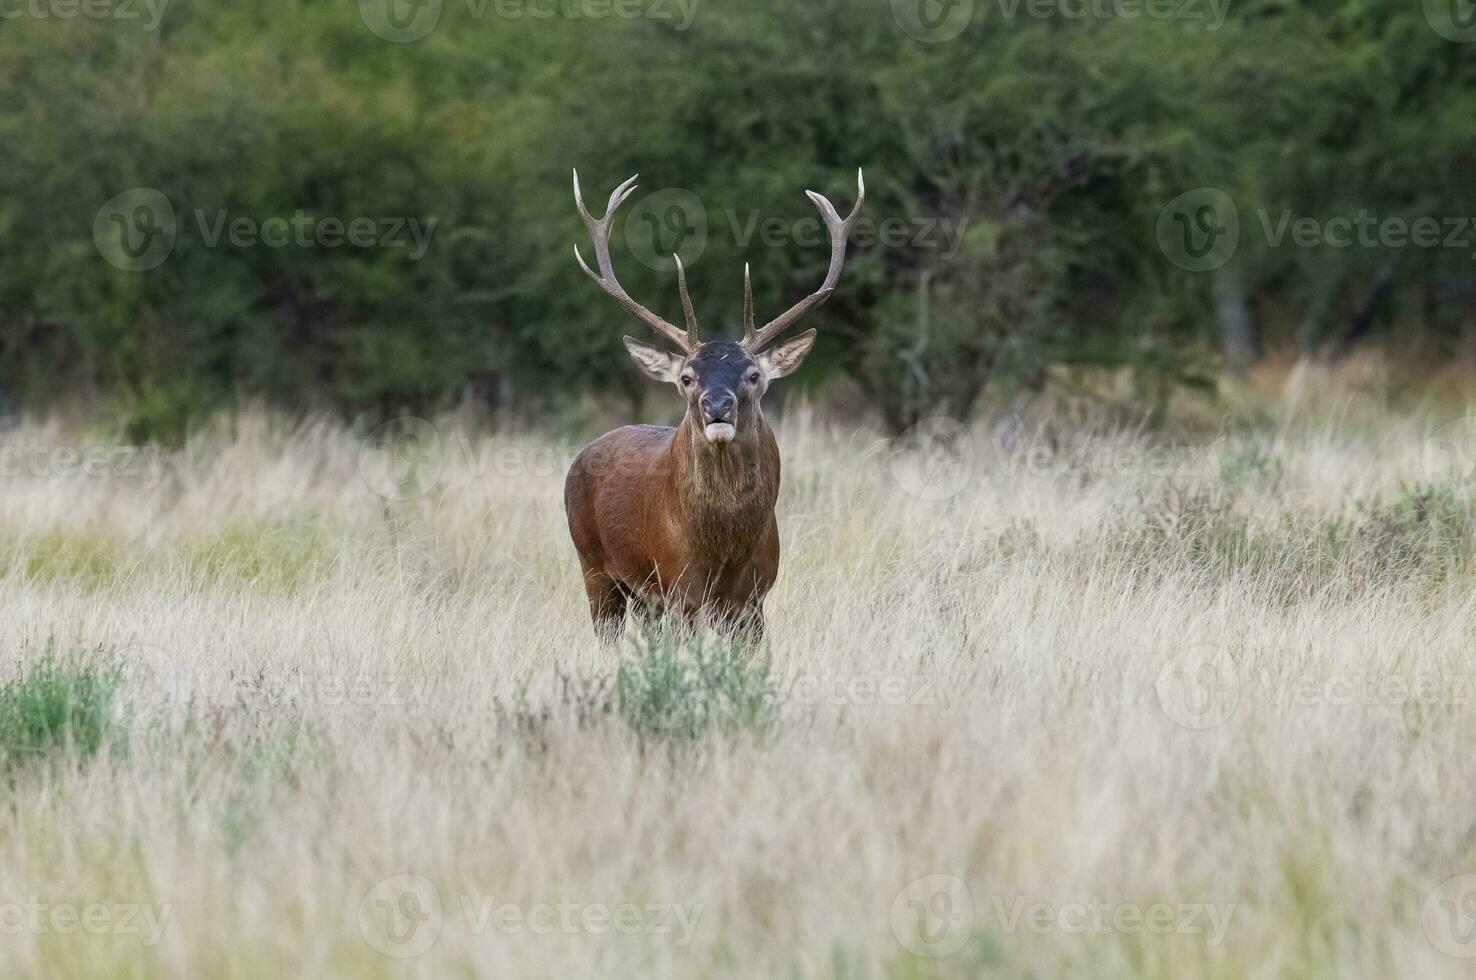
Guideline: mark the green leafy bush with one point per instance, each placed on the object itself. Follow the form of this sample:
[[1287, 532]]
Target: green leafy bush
[[686, 687], [60, 706]]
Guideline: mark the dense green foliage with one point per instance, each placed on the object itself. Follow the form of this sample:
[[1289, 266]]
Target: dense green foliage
[[1050, 144]]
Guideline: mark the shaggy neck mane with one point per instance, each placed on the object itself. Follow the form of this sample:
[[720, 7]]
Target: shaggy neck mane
[[726, 492]]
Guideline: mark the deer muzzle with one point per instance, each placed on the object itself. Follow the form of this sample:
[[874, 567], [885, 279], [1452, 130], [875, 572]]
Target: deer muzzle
[[719, 411]]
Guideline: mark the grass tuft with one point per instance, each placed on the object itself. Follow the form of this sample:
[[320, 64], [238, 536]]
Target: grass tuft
[[679, 687], [60, 707]]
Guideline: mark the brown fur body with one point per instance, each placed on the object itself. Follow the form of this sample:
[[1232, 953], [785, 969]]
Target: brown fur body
[[662, 517]]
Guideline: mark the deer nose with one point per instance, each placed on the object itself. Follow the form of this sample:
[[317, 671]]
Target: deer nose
[[718, 406]]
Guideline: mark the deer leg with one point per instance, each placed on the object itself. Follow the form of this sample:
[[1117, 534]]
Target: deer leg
[[744, 623], [645, 613], [655, 614], [751, 627], [607, 601]]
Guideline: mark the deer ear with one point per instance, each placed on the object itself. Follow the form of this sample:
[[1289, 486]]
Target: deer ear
[[787, 356], [656, 362]]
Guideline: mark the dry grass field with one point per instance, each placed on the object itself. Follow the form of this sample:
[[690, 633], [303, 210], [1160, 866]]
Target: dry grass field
[[1058, 699]]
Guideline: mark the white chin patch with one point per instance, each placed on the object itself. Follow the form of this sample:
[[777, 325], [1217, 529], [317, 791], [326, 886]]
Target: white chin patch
[[720, 432]]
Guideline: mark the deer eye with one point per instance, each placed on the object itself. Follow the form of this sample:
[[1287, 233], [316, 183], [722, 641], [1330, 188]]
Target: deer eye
[[753, 378], [686, 381]]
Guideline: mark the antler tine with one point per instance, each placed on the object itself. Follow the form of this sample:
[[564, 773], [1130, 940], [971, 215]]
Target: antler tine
[[840, 230], [617, 197], [686, 301], [599, 233], [749, 333]]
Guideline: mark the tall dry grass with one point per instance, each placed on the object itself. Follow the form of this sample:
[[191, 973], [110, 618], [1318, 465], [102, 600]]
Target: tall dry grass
[[1042, 700]]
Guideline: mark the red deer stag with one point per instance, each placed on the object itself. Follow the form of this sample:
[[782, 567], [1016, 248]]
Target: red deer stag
[[682, 519]]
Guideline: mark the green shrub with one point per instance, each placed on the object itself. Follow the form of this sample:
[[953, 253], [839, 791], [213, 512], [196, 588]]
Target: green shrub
[[58, 707], [675, 686]]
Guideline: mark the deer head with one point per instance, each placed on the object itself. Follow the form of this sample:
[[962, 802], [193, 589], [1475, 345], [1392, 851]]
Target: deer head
[[721, 381]]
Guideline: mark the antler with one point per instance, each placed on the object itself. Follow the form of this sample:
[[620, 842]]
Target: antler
[[599, 233], [755, 340]]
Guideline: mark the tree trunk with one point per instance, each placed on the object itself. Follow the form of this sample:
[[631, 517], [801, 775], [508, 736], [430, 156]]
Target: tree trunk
[[1232, 309]]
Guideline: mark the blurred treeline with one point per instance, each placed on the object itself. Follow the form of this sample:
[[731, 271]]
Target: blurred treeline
[[1056, 141]]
